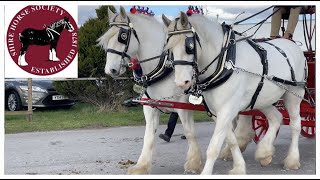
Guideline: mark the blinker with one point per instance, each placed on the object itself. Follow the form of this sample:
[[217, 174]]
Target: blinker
[[189, 44], [123, 36]]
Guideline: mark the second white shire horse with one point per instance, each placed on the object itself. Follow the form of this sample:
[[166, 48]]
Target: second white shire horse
[[243, 75]]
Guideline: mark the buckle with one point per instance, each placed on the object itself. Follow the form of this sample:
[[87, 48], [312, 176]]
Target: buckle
[[232, 41], [144, 78], [130, 64]]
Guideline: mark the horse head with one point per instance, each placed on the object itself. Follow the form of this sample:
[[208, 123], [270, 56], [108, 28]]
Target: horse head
[[182, 43], [131, 35], [193, 41], [120, 42], [68, 25]]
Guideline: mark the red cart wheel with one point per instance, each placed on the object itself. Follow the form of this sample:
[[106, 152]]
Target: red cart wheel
[[308, 129], [260, 126]]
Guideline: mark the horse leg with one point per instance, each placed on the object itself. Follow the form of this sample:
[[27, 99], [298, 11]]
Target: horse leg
[[22, 59], [239, 166], [194, 162], [244, 134], [223, 122], [265, 148], [52, 52], [143, 165], [292, 103]]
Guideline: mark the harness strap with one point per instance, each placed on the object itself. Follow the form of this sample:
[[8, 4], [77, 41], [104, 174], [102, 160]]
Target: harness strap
[[263, 56], [145, 60], [49, 32], [118, 52], [236, 23], [209, 113], [227, 54], [160, 72], [261, 23], [287, 59], [292, 83], [181, 62]]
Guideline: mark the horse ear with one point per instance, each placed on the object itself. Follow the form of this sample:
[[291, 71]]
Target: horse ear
[[165, 20], [123, 12], [110, 14], [184, 19], [66, 19]]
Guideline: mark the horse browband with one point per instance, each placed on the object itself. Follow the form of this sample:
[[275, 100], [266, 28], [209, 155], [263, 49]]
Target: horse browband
[[129, 24]]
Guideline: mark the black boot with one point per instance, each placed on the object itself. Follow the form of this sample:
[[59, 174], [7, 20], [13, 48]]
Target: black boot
[[164, 137]]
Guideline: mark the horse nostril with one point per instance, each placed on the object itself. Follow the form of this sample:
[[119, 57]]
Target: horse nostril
[[113, 71], [186, 82]]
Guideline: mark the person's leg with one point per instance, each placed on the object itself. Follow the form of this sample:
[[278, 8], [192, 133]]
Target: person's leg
[[172, 124], [292, 22], [276, 21]]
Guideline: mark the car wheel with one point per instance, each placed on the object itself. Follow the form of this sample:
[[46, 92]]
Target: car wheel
[[13, 101]]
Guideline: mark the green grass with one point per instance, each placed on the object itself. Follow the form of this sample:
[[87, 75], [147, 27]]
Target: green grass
[[81, 116]]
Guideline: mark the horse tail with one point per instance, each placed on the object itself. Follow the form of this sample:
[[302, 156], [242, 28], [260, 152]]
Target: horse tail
[[20, 36]]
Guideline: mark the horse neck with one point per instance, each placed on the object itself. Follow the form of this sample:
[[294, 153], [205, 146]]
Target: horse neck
[[211, 38], [152, 38], [58, 29]]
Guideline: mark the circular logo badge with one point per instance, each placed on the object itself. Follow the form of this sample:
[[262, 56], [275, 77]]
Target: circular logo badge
[[124, 36], [191, 46], [42, 39]]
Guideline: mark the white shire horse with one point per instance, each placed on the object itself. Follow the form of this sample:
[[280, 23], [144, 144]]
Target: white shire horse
[[141, 36], [152, 38], [195, 41]]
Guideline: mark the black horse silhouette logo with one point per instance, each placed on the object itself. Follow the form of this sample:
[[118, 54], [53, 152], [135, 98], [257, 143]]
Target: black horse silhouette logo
[[48, 35]]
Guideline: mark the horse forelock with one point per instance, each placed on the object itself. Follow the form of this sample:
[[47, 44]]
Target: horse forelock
[[104, 39], [206, 28], [175, 39]]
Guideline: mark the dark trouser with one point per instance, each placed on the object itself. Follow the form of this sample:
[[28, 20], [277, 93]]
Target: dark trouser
[[172, 123]]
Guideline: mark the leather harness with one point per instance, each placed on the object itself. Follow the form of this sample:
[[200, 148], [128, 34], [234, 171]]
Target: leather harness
[[223, 72]]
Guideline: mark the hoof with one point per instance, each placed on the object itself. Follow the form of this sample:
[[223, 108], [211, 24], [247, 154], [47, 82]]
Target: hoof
[[291, 164], [189, 172], [193, 167], [23, 64], [55, 59], [237, 171], [266, 161], [137, 170], [264, 154]]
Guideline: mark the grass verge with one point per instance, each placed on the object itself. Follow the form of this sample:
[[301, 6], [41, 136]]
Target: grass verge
[[81, 116]]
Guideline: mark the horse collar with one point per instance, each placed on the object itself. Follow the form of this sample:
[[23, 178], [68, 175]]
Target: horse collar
[[49, 32]]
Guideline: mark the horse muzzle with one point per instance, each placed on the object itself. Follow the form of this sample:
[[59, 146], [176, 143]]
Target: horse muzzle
[[184, 84]]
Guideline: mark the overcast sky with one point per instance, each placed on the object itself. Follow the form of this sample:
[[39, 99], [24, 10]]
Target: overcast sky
[[225, 13]]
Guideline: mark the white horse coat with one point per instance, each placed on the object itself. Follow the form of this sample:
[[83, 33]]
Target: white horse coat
[[235, 94], [152, 38]]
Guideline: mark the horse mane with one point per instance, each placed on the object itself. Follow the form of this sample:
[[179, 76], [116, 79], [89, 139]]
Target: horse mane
[[150, 20], [57, 24]]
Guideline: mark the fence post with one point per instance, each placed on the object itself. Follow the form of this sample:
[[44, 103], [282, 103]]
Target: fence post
[[29, 113]]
